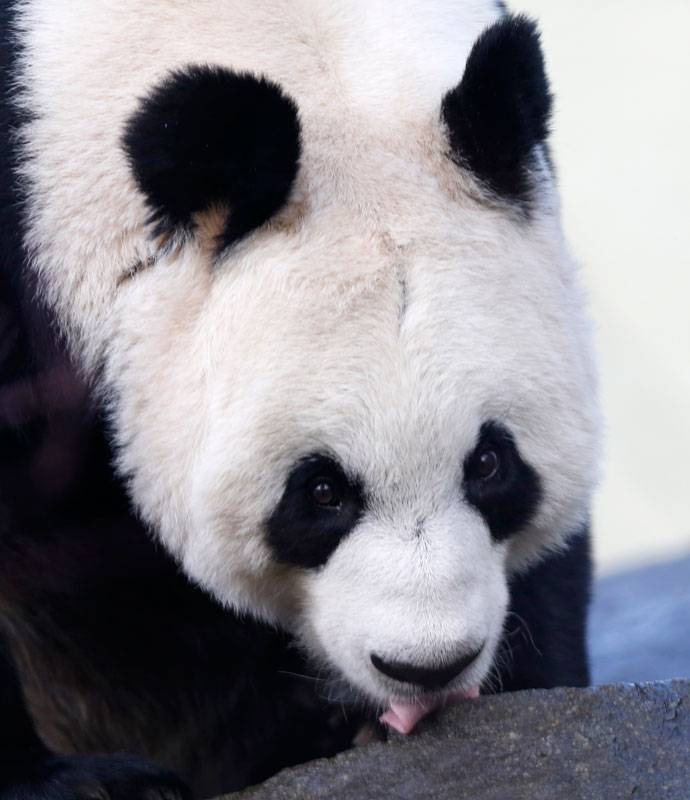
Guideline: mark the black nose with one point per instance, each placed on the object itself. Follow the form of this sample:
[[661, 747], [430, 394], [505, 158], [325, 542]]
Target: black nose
[[428, 677]]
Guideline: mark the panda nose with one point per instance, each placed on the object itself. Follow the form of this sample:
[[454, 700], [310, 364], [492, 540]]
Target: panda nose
[[428, 677]]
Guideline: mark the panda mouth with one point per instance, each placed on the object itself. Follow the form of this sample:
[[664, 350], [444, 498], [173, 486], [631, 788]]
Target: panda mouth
[[403, 717]]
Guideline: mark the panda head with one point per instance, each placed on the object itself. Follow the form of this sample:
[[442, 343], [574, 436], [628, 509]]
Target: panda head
[[349, 372]]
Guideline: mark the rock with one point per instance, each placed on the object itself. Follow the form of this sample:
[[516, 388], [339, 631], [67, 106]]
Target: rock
[[602, 743]]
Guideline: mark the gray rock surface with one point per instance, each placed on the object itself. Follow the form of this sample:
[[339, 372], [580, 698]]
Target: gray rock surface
[[602, 743]]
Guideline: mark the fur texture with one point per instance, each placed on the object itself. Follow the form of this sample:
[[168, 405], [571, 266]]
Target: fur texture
[[385, 314]]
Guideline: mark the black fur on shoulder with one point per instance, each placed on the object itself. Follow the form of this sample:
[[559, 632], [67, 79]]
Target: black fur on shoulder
[[500, 110], [545, 640], [207, 136]]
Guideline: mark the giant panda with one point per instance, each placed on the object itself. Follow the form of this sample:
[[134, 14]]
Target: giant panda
[[298, 404]]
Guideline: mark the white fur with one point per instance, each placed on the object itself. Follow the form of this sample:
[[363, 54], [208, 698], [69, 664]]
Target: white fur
[[221, 377]]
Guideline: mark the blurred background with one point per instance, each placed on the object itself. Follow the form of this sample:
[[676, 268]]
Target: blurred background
[[620, 72]]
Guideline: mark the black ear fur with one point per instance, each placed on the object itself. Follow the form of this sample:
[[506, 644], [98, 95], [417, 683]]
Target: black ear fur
[[209, 135], [501, 108]]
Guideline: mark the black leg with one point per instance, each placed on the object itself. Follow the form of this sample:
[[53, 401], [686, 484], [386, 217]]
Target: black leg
[[28, 771], [96, 777], [19, 743]]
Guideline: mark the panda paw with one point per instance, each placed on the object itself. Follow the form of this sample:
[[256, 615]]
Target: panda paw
[[98, 777]]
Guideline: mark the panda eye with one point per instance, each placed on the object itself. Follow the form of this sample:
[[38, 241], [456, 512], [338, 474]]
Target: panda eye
[[499, 483], [485, 464], [320, 506], [323, 493]]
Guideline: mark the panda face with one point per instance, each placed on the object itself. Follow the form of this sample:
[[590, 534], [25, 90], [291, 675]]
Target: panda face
[[355, 399], [405, 434]]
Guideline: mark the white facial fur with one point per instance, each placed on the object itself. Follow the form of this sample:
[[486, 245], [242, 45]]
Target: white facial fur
[[382, 316]]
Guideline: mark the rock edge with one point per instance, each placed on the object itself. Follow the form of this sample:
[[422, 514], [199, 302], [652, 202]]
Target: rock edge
[[616, 741]]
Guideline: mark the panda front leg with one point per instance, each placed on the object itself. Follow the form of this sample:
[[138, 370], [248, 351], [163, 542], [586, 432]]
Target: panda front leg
[[29, 771], [545, 640]]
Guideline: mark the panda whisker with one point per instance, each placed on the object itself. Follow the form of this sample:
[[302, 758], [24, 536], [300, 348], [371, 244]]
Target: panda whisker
[[525, 630], [493, 680], [298, 675]]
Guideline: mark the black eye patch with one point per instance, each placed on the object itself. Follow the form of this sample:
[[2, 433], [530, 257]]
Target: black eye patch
[[319, 507], [499, 483]]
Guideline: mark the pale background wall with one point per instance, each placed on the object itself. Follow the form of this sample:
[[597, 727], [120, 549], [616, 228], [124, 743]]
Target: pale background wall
[[621, 74]]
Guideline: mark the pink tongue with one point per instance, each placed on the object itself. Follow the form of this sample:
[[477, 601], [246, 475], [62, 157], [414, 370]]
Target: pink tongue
[[404, 716]]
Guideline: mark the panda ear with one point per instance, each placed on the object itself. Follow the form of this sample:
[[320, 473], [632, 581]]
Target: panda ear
[[500, 110], [207, 136]]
